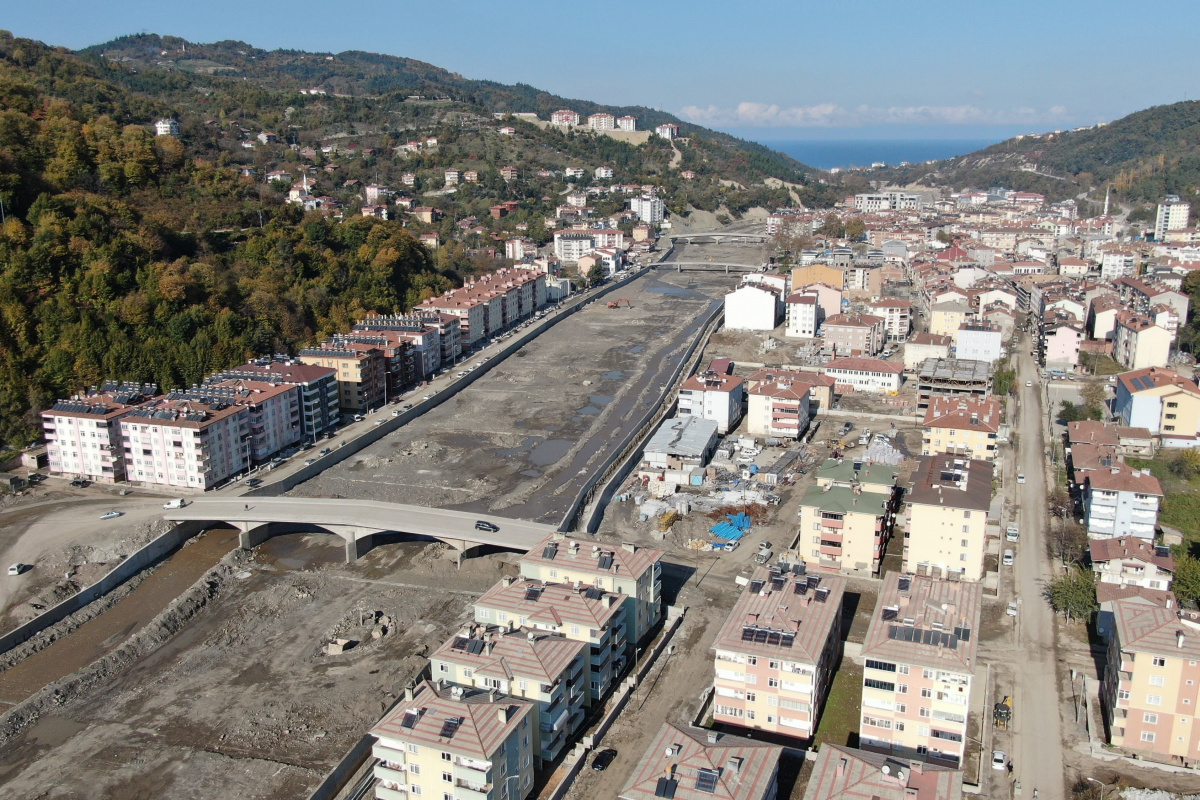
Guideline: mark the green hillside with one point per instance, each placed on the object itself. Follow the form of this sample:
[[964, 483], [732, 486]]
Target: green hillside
[[1141, 157]]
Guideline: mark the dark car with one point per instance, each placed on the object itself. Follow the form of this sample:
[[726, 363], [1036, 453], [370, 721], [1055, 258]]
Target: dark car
[[79, 483], [487, 526], [603, 759]]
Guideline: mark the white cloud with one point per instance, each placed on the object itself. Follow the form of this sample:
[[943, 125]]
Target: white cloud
[[771, 115]]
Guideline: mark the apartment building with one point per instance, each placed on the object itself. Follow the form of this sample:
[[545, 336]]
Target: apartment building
[[919, 667], [720, 398], [1151, 686], [753, 307], [633, 571], [361, 372], [1162, 401], [966, 427], [583, 613], [186, 441], [648, 208], [776, 652], [1117, 263], [1139, 342], [318, 389], [83, 433], [444, 741], [1120, 501], [1132, 561], [854, 334], [923, 346], [864, 375], [541, 668], [564, 117], [978, 341], [602, 122], [423, 335], [803, 316], [1171, 215], [687, 763], [780, 405], [897, 316], [947, 517], [667, 131], [627, 123], [491, 303], [846, 773], [844, 527], [946, 318], [952, 377]]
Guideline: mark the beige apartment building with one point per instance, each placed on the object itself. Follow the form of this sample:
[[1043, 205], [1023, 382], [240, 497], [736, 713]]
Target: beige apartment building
[[580, 613], [962, 426], [920, 662], [844, 527], [629, 570], [946, 318], [845, 773], [542, 668], [360, 374], [1151, 686], [444, 741], [686, 763], [776, 652], [83, 433], [947, 517]]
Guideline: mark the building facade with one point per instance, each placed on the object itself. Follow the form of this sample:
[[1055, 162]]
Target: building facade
[[947, 517]]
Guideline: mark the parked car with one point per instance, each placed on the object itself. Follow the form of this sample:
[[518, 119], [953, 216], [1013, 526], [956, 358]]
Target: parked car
[[490, 527], [1028, 384], [603, 759], [254, 482], [79, 483], [16, 569], [999, 759], [1012, 533], [1009, 558], [112, 514], [1020, 477], [358, 417], [1011, 609], [324, 452], [309, 461]]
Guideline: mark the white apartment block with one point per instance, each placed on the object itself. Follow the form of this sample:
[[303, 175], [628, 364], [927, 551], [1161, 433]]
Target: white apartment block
[[185, 443], [166, 127], [1172, 216], [564, 117], [603, 173], [865, 375], [627, 123], [668, 131], [978, 341], [1121, 501], [1117, 264], [752, 308], [602, 122], [803, 316], [83, 433], [720, 398], [648, 208], [1132, 561]]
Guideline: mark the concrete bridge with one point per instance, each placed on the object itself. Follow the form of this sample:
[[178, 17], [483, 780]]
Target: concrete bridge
[[718, 237], [358, 522], [712, 266]]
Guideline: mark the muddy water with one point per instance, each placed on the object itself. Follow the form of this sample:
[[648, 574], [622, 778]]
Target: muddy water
[[108, 631]]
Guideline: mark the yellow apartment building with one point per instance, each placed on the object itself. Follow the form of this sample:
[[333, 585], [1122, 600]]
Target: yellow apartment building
[[946, 532]]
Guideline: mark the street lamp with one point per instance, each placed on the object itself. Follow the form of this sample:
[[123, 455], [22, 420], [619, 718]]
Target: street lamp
[[1102, 786]]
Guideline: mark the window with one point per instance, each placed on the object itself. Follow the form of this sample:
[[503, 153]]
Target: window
[[927, 692], [752, 660], [749, 715], [1157, 680], [447, 757], [1150, 719], [412, 748], [927, 674], [883, 666], [773, 683], [902, 688], [900, 727], [751, 697], [447, 796], [773, 664], [1122, 694], [553, 573], [870, 683], [1154, 699], [964, 542], [1160, 662], [902, 669], [414, 788], [1147, 736], [901, 708], [966, 515], [924, 712], [448, 777], [443, 668]]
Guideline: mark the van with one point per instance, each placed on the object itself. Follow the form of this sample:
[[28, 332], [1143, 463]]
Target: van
[[1008, 558], [1012, 533], [176, 503]]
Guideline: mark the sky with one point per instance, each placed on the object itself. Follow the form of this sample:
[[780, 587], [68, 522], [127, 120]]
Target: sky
[[761, 69]]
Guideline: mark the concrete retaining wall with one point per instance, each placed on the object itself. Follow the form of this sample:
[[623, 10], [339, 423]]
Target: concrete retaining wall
[[367, 438], [638, 435], [150, 554], [340, 775]]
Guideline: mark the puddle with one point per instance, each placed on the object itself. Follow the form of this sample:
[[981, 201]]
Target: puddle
[[600, 399], [633, 351], [52, 731], [676, 291], [302, 550], [615, 375], [550, 451], [509, 452], [531, 473], [588, 411]]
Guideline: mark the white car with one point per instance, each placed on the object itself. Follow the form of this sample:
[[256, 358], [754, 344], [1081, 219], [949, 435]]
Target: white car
[[1028, 384], [1021, 478], [112, 514], [1011, 609], [999, 759], [16, 569]]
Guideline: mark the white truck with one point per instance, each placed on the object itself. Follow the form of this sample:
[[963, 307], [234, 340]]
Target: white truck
[[176, 503]]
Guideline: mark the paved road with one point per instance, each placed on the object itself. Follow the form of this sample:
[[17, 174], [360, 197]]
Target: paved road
[[370, 515], [1038, 762]]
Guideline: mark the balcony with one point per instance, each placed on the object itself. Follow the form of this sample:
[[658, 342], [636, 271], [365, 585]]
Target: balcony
[[471, 791], [470, 775], [473, 765], [384, 793], [386, 773]]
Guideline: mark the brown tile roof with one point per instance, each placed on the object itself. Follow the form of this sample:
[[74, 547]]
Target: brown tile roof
[[844, 773], [853, 321], [1130, 547], [1152, 629], [1091, 432], [743, 769], [1121, 478], [930, 338], [1154, 377], [1108, 592], [934, 605], [964, 414], [554, 604], [951, 481], [480, 729], [492, 652], [585, 555], [784, 610]]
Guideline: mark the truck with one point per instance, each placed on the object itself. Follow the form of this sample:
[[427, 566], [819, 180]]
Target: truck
[[179, 502]]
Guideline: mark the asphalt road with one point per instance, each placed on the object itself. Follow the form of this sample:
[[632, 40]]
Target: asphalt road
[[1038, 762]]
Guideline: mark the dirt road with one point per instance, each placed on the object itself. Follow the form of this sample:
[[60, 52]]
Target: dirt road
[[1038, 761]]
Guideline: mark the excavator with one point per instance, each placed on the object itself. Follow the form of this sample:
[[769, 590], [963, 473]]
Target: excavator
[[1002, 713], [617, 303]]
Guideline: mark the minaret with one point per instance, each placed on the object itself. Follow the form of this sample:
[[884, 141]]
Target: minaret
[[1106, 191]]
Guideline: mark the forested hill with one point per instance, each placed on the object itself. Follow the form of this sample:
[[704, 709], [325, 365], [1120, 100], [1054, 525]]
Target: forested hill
[[361, 74], [1142, 157]]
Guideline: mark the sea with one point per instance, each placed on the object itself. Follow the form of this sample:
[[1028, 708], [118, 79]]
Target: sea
[[844, 153]]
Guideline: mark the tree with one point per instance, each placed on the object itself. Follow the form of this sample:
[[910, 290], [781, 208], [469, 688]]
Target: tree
[[1004, 381], [833, 226], [1094, 397], [1073, 594], [1186, 584], [855, 230], [595, 275], [1068, 540], [945, 237]]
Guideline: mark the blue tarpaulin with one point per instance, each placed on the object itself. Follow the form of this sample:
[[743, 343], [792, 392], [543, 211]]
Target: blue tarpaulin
[[741, 521], [725, 530]]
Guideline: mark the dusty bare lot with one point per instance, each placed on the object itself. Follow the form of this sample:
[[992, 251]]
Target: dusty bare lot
[[521, 441], [244, 702]]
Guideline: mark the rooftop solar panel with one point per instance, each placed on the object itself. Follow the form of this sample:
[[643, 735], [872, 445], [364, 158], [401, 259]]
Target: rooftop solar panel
[[475, 646], [706, 780], [593, 593], [814, 581], [801, 587], [800, 568], [755, 587], [450, 727], [533, 592], [777, 584], [550, 551], [410, 719], [822, 595], [889, 614], [747, 634], [606, 561], [665, 788]]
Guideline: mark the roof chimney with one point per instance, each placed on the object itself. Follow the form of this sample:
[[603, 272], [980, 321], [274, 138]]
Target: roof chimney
[[841, 767], [502, 714], [1179, 638]]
